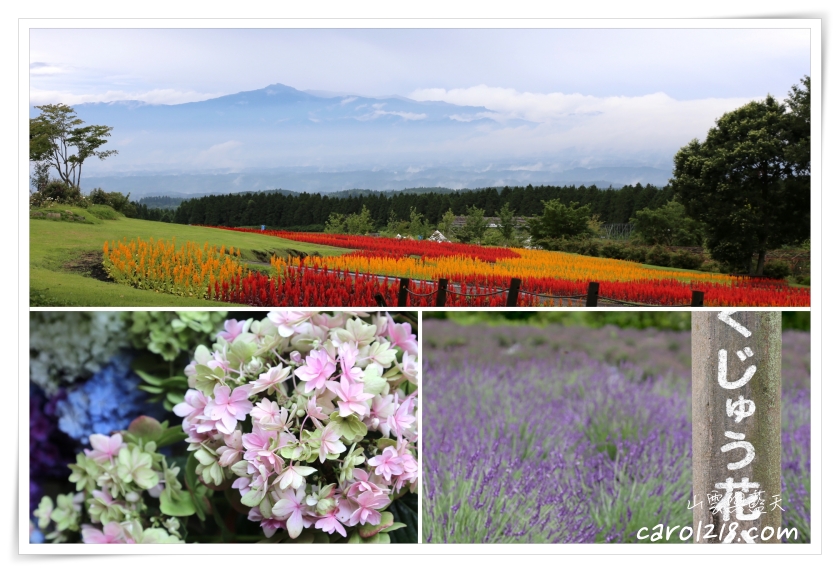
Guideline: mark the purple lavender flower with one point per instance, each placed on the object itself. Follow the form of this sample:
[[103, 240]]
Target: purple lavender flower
[[573, 435]]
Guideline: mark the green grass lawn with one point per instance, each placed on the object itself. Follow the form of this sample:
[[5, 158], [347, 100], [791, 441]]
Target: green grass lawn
[[61, 254]]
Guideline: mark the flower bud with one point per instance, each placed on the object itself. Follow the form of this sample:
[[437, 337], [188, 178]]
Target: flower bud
[[325, 505]]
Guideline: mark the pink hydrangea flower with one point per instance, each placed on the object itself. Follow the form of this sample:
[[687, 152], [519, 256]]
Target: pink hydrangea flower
[[269, 416], [401, 336], [319, 367], [232, 451], [315, 410], [402, 419], [388, 463], [364, 508], [233, 328], [330, 442], [113, 533], [219, 360], [352, 397], [294, 476], [269, 525], [292, 509], [287, 321], [227, 407], [381, 409], [410, 467], [364, 482], [104, 448], [329, 523], [258, 446], [271, 380], [192, 408]]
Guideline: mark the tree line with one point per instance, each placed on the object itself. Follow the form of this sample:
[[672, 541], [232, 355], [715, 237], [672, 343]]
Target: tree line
[[312, 211]]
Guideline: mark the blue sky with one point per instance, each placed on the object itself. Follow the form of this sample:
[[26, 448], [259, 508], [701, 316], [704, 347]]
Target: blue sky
[[621, 92]]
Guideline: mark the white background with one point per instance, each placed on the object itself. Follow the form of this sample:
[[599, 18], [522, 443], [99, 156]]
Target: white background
[[398, 559]]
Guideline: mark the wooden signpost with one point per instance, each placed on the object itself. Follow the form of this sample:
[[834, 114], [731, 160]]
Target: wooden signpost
[[736, 426]]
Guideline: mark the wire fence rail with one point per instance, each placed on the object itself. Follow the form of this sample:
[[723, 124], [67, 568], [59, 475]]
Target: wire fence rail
[[514, 291]]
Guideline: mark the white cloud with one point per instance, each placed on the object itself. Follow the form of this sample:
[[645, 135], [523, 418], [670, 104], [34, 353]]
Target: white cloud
[[221, 155], [43, 69], [157, 96], [655, 124], [407, 115], [348, 100], [557, 107]]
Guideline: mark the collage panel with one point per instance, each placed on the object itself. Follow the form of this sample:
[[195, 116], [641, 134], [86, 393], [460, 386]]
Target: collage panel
[[223, 427], [520, 312], [616, 427]]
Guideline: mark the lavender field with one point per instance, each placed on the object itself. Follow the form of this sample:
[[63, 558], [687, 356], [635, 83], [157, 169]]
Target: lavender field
[[574, 434]]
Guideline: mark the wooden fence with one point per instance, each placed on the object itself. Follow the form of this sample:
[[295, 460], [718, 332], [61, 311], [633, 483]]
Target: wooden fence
[[515, 289]]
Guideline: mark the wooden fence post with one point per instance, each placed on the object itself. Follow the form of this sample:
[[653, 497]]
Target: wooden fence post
[[592, 295], [402, 296], [513, 292], [736, 426], [380, 300], [697, 298], [440, 300]]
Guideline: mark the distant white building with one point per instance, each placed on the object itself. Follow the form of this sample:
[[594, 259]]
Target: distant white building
[[438, 237]]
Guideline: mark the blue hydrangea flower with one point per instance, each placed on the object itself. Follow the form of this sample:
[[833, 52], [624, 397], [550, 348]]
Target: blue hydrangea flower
[[108, 402]]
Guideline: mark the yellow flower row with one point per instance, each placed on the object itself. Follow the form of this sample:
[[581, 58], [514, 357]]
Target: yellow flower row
[[157, 265], [531, 264]]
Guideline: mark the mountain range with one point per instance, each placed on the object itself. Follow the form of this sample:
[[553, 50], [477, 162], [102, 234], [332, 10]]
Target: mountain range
[[281, 137]]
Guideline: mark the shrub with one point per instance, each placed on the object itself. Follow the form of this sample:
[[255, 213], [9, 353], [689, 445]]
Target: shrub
[[637, 254], [686, 260], [614, 251], [115, 200], [658, 256], [776, 269], [589, 247], [58, 192]]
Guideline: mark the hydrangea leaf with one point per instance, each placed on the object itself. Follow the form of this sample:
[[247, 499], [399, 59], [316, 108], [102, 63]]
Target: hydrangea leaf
[[206, 378], [155, 535], [394, 527], [383, 443], [243, 351], [369, 530], [146, 427], [351, 428], [378, 538], [321, 537], [170, 436], [176, 503]]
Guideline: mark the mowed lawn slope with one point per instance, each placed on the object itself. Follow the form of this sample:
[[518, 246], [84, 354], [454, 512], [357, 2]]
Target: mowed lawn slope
[[63, 256]]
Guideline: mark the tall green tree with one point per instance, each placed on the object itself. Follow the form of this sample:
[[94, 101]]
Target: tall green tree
[[336, 224], [359, 223], [506, 224], [667, 225], [446, 222], [417, 225], [560, 221], [748, 183], [474, 227], [61, 140]]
